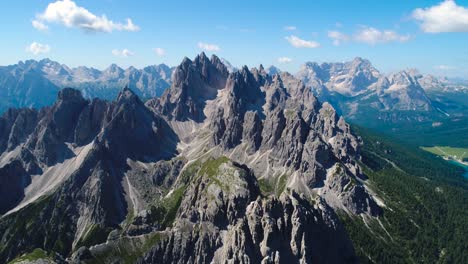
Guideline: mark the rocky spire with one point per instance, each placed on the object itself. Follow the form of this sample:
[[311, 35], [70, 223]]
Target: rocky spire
[[193, 84]]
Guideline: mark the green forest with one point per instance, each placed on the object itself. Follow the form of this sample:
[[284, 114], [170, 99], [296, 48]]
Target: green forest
[[425, 214]]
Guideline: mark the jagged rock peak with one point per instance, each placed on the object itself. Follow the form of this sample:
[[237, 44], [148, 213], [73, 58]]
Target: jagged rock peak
[[201, 64], [215, 60], [201, 59], [193, 83], [246, 83], [359, 61], [127, 95], [261, 68], [185, 61]]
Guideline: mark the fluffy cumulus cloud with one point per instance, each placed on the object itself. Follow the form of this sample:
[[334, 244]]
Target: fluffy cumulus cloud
[[374, 36], [69, 14], [302, 43], [338, 37], [208, 47], [160, 52], [444, 17], [290, 28], [38, 48], [284, 60], [124, 53]]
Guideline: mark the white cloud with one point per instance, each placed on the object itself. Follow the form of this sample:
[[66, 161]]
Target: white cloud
[[444, 17], [301, 43], [122, 53], [67, 13], [160, 52], [374, 36], [39, 25], [208, 47], [444, 67], [290, 28], [38, 48], [284, 60], [338, 37]]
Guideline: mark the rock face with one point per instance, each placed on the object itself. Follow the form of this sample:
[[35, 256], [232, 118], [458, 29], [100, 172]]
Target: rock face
[[224, 220], [224, 167], [194, 82]]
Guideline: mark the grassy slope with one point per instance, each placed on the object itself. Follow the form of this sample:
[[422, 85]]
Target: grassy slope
[[426, 199], [36, 254]]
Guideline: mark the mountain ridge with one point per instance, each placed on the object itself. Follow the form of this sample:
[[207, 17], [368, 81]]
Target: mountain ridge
[[141, 169], [47, 77]]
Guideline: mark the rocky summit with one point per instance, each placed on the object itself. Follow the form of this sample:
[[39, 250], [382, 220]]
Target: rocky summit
[[225, 167]]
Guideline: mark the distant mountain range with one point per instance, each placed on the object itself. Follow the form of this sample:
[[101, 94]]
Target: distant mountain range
[[36, 83], [388, 102], [356, 89]]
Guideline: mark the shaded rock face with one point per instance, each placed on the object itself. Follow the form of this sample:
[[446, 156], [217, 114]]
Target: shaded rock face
[[243, 94], [13, 180], [90, 121], [252, 131], [224, 167], [15, 126], [145, 135], [48, 140]]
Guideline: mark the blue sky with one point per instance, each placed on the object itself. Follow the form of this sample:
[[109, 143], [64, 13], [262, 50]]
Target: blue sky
[[431, 36]]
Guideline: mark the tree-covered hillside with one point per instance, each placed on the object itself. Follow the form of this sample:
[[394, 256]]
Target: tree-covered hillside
[[425, 215]]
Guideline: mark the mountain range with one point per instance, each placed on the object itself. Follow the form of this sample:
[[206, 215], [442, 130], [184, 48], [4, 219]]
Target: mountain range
[[239, 166], [36, 83], [357, 85], [225, 166], [354, 88]]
